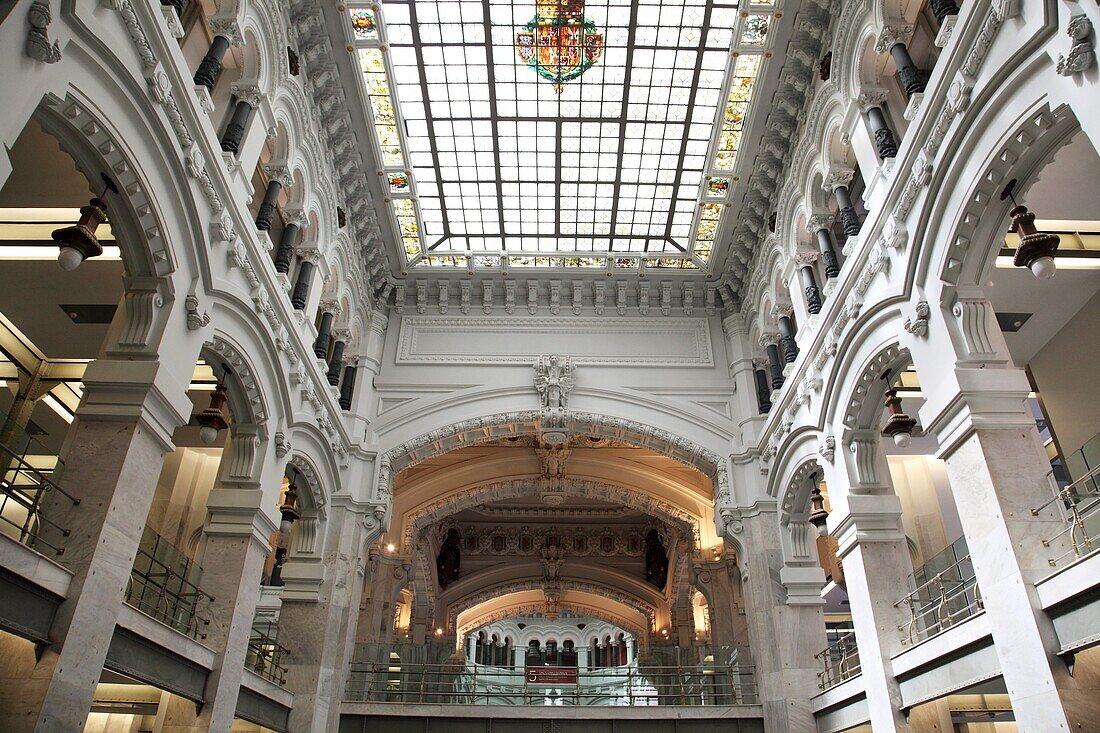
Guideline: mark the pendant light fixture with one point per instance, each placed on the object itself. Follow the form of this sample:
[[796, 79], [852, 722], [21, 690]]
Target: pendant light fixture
[[79, 242], [212, 420], [1036, 249], [818, 514], [899, 426]]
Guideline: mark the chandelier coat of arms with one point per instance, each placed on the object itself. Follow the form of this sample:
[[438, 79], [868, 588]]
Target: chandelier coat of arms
[[559, 43]]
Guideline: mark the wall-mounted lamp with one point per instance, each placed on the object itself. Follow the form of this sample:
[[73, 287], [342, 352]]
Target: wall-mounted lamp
[[818, 515], [899, 426], [212, 420], [79, 242], [1036, 249]]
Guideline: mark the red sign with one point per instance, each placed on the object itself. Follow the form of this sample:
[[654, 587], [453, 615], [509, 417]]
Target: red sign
[[552, 675]]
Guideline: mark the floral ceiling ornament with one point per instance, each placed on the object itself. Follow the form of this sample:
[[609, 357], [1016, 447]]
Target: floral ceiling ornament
[[559, 43]]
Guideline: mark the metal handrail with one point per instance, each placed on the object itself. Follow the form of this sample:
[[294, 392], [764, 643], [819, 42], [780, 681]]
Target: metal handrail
[[28, 490], [460, 683], [950, 596], [265, 655], [840, 661], [1080, 513], [164, 592]]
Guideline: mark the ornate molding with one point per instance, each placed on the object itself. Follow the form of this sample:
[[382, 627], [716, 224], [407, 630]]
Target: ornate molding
[[1082, 54], [38, 45]]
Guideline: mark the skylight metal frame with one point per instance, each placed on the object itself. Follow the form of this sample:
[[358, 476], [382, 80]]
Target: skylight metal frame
[[400, 204]]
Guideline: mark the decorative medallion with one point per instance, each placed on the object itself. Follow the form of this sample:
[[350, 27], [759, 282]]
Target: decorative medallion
[[559, 43]]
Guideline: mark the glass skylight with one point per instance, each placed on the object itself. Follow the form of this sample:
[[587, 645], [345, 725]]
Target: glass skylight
[[559, 133]]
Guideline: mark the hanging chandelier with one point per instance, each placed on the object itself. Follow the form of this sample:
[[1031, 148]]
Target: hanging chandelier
[[559, 43]]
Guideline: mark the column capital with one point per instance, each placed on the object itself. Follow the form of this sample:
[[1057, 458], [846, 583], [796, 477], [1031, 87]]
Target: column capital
[[894, 32], [330, 305], [248, 93], [820, 220], [768, 338], [781, 309], [865, 518], [984, 399], [279, 173], [837, 177], [734, 324], [309, 254], [805, 257], [226, 25], [870, 97], [124, 390], [297, 217]]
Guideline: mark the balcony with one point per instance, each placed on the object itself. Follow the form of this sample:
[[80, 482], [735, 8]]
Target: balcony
[[265, 655], [1078, 506], [839, 661], [944, 593], [28, 489], [467, 684], [164, 585]]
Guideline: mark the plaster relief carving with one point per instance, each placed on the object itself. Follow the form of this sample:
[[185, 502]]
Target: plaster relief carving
[[1082, 55]]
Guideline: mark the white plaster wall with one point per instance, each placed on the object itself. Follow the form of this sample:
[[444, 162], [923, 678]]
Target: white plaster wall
[[1065, 371]]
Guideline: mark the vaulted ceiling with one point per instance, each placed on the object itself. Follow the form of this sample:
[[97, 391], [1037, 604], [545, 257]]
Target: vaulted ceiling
[[576, 137]]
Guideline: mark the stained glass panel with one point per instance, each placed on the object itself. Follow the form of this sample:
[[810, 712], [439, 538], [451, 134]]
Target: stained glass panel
[[564, 133]]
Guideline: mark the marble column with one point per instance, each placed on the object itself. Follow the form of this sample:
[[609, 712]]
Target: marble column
[[997, 477], [113, 456], [321, 633], [866, 522], [234, 546], [783, 637]]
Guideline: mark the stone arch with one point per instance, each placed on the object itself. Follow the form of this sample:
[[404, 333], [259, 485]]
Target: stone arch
[[426, 516], [246, 397], [482, 595], [520, 608], [1025, 147], [491, 427], [96, 147]]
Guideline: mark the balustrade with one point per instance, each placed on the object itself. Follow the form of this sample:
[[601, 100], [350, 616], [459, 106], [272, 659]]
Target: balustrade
[[948, 596], [1079, 506], [840, 661], [26, 493], [164, 584]]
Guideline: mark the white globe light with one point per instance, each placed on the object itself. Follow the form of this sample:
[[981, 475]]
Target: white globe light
[[208, 435], [69, 258], [902, 440], [1043, 268]]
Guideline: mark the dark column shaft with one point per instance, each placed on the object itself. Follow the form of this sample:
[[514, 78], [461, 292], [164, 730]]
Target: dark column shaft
[[347, 387], [763, 393], [809, 286], [776, 368], [267, 208], [301, 286], [284, 255], [849, 219], [234, 131], [210, 68], [828, 252], [334, 363], [884, 137], [786, 339], [324, 336]]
